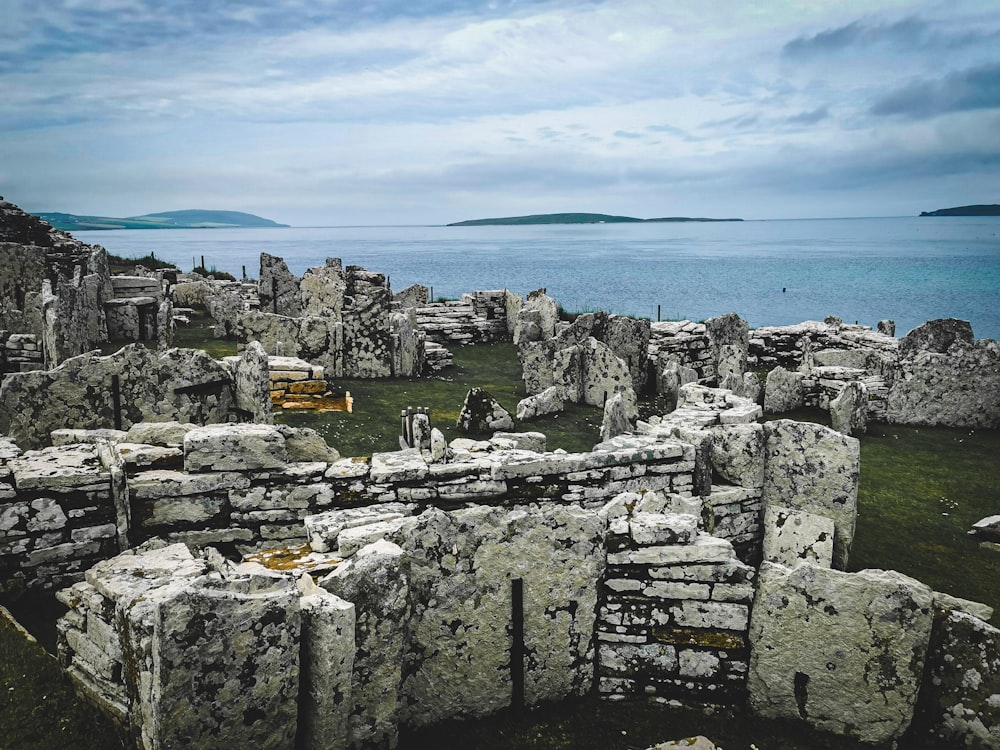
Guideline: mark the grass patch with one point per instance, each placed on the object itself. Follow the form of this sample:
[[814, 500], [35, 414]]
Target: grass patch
[[39, 709], [121, 265], [589, 723], [373, 426], [921, 490]]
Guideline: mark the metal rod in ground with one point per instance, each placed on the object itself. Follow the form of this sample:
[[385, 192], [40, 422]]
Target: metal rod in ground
[[517, 645], [116, 400], [657, 313]]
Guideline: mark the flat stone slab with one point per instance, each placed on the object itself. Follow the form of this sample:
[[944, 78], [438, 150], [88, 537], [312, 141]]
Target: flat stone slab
[[59, 469], [132, 574], [792, 537], [68, 436], [234, 447]]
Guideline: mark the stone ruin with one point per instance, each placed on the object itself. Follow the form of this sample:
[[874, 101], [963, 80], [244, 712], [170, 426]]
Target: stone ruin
[[340, 318], [58, 298], [410, 588], [244, 583]]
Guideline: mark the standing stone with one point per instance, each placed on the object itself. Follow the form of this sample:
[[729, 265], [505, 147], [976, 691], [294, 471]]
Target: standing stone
[[415, 295], [616, 418], [322, 290], [375, 582], [960, 702], [537, 318], [252, 384], [783, 391], [225, 669], [278, 288], [327, 664], [887, 327], [792, 537], [842, 651], [737, 454], [729, 340], [481, 413], [849, 411], [813, 468], [628, 338]]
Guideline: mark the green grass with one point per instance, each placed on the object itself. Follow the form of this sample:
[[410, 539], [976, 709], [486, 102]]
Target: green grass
[[39, 709], [921, 489], [373, 426]]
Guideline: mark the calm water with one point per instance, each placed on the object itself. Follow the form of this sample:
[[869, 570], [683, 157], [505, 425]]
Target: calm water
[[770, 272]]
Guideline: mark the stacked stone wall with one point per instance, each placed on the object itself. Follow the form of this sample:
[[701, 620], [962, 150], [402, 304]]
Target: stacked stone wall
[[57, 515], [675, 605]]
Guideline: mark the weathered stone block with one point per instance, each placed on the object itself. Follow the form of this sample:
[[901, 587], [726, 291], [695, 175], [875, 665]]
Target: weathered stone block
[[792, 537], [234, 447], [813, 468], [843, 651]]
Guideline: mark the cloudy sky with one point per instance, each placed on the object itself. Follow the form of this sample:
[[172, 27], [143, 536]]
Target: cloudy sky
[[339, 112]]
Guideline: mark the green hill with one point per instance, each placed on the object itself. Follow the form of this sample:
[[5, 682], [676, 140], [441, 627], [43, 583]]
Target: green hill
[[571, 219], [549, 219], [992, 209], [190, 219]]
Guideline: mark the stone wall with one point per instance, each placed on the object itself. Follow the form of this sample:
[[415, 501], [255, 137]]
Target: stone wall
[[341, 319], [675, 605], [177, 384], [477, 318]]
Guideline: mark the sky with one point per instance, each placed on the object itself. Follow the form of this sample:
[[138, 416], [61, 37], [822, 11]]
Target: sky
[[353, 112]]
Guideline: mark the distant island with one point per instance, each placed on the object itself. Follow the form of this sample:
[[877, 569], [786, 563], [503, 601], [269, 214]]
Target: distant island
[[190, 219], [573, 219], [992, 209]]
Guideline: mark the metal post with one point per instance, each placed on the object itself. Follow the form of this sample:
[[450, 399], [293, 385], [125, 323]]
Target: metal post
[[517, 645], [116, 401]]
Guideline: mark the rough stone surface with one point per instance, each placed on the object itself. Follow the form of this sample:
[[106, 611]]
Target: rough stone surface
[[936, 336], [536, 320], [960, 702], [461, 567], [185, 385], [327, 661], [234, 447], [481, 413], [958, 388], [792, 537], [849, 411], [616, 417], [278, 288], [549, 401], [737, 454], [842, 651], [251, 384], [374, 580], [813, 468], [783, 391]]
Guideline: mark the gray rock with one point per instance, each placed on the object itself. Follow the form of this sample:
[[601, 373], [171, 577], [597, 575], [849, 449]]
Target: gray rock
[[525, 441], [783, 391], [616, 417], [987, 528], [327, 661], [849, 411], [167, 434], [936, 336], [842, 651], [549, 401], [959, 704], [305, 444], [375, 581], [737, 454], [234, 447], [887, 327], [792, 537], [481, 413], [813, 468]]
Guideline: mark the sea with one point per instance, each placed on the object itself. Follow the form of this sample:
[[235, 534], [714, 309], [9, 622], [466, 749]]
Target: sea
[[779, 272]]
